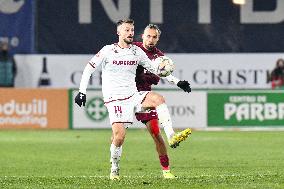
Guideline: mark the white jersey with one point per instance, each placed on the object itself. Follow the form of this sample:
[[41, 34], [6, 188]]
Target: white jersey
[[118, 70]]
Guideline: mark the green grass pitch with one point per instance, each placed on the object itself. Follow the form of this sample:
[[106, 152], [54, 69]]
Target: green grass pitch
[[80, 159]]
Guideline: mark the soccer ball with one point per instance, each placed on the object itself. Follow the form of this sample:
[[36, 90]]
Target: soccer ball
[[165, 66]]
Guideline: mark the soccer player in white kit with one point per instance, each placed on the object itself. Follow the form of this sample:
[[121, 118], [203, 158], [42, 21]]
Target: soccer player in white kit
[[119, 62]]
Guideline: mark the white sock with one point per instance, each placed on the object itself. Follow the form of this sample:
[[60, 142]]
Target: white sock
[[115, 154], [165, 119]]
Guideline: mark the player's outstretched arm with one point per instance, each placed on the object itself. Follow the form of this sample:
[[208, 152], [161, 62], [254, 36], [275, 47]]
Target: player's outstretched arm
[[80, 99], [96, 61], [184, 85]]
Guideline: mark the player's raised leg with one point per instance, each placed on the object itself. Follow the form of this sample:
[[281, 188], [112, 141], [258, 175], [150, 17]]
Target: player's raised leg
[[118, 136], [156, 100]]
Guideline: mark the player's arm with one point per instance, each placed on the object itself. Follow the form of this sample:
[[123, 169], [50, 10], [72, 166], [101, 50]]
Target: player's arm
[[92, 65], [153, 68], [150, 65], [150, 76], [154, 79], [144, 76], [184, 85]]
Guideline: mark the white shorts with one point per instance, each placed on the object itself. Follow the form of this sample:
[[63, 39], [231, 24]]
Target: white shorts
[[123, 110]]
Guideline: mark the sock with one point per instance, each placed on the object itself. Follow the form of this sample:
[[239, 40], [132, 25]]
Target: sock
[[165, 119], [115, 154], [164, 161]]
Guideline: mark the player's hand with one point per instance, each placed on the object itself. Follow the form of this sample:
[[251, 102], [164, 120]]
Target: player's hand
[[80, 99], [184, 85]]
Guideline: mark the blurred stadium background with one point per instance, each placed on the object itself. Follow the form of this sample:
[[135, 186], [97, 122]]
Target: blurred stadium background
[[225, 50]]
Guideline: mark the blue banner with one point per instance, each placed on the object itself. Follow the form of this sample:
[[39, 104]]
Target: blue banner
[[17, 25], [188, 26]]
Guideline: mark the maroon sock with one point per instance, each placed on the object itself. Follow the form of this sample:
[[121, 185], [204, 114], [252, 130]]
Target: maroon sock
[[164, 161]]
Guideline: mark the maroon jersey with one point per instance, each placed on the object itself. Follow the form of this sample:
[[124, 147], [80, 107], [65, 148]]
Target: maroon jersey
[[144, 79]]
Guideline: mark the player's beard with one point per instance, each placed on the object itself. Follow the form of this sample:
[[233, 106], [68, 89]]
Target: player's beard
[[150, 48], [128, 41]]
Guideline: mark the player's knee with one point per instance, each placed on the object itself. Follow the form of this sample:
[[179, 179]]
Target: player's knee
[[158, 99], [118, 140], [161, 100], [118, 136]]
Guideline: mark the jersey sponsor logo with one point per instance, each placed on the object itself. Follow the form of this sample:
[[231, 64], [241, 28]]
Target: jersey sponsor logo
[[125, 62]]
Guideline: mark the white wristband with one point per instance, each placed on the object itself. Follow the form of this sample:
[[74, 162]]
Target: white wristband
[[172, 79]]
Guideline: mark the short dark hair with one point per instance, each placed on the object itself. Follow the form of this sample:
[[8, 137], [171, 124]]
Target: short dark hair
[[154, 26], [122, 21]]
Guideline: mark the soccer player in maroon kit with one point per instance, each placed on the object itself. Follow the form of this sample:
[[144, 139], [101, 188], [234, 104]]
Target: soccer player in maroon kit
[[144, 80]]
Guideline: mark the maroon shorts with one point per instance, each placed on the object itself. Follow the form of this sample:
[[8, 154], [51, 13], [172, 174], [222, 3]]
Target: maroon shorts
[[147, 115]]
